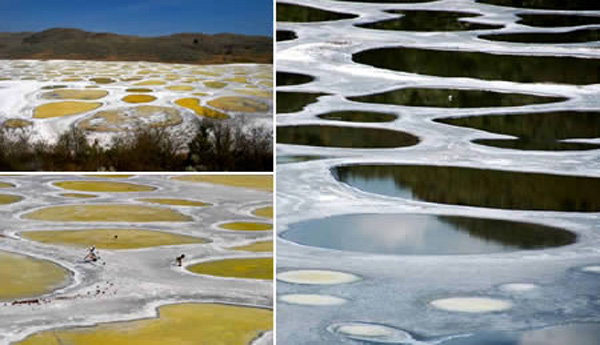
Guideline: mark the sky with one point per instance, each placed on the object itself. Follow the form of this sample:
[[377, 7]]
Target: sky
[[139, 17]]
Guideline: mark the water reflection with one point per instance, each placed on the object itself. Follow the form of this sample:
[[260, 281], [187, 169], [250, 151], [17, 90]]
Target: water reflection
[[453, 98], [536, 131], [350, 137], [305, 14], [476, 187], [288, 78], [579, 334], [285, 35], [518, 68], [297, 159], [429, 21], [567, 5], [556, 20], [575, 36], [392, 1], [358, 116], [406, 234], [291, 102]]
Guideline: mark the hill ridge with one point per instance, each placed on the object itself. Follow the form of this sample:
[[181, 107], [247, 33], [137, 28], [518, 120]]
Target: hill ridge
[[195, 48]]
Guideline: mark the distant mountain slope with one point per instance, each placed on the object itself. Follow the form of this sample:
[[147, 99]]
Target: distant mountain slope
[[193, 48]]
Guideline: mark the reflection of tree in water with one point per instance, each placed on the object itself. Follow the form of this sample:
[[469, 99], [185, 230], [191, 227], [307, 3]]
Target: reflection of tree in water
[[301, 14], [453, 98], [483, 188], [519, 68], [285, 35], [358, 116], [515, 234], [429, 21], [556, 20], [547, 4], [575, 36], [352, 137], [520, 144], [291, 102], [391, 1], [537, 131], [287, 78]]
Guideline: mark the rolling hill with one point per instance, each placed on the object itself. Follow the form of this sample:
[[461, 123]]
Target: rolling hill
[[192, 48]]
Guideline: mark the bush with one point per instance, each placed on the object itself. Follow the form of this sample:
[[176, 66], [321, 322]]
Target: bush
[[227, 146], [215, 146]]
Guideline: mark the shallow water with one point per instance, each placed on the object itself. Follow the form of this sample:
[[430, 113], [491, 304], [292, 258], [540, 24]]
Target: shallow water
[[110, 238], [176, 324], [246, 226], [251, 268], [578, 5], [409, 234], [295, 13], [481, 65], [9, 199], [429, 21], [580, 334], [291, 102], [358, 116], [265, 212], [260, 182], [295, 159], [285, 78], [349, 137], [103, 186], [536, 131], [106, 213], [285, 35], [476, 187], [556, 20], [452, 98], [42, 276], [575, 36], [175, 202], [265, 246]]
